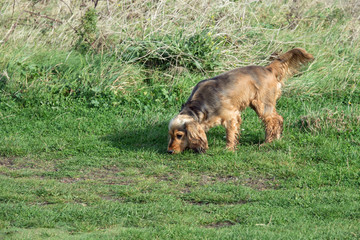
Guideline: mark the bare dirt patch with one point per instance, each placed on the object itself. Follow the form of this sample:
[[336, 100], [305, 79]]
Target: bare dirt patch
[[204, 203], [15, 163], [220, 224], [258, 183], [107, 175], [6, 161]]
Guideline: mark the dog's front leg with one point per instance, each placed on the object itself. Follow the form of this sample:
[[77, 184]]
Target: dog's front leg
[[232, 132]]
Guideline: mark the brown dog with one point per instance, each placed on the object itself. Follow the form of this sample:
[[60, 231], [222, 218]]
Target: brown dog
[[221, 99]]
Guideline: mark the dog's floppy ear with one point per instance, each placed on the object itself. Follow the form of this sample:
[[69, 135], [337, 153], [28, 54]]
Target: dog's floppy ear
[[197, 137]]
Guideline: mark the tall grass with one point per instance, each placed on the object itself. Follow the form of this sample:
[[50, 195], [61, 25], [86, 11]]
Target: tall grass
[[175, 37]]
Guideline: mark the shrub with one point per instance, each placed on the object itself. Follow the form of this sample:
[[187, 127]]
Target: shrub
[[87, 31]]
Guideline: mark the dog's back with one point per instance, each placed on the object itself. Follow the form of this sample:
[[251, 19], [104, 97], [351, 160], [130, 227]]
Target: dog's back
[[234, 90]]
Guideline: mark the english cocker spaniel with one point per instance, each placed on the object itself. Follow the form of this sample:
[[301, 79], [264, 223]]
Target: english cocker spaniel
[[220, 100]]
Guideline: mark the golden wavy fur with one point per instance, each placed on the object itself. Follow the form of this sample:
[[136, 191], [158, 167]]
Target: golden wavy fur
[[221, 99]]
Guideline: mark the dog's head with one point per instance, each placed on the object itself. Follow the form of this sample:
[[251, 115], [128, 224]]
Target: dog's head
[[186, 133]]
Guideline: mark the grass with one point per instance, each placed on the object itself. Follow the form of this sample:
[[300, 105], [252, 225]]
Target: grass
[[86, 97]]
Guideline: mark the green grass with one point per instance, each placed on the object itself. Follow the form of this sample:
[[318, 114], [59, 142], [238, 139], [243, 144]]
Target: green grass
[[83, 127], [95, 173]]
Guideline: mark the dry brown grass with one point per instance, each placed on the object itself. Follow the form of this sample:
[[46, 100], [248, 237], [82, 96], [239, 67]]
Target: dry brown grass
[[254, 29]]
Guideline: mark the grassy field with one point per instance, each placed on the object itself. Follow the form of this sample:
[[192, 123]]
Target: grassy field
[[86, 95]]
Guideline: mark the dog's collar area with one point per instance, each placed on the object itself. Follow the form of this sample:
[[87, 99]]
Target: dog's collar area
[[193, 113]]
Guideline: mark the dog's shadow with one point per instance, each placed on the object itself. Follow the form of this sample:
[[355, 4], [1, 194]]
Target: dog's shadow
[[247, 138], [154, 138], [151, 138]]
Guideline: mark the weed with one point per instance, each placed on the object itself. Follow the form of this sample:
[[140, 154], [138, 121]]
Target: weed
[[87, 31]]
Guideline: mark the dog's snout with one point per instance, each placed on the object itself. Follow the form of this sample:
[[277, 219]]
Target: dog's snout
[[170, 151]]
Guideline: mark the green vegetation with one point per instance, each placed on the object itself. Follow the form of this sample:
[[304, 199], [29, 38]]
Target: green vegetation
[[86, 95]]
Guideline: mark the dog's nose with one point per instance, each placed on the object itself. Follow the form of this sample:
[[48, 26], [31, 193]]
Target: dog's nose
[[170, 151]]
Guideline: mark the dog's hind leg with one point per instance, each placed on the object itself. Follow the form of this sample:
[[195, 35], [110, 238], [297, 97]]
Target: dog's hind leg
[[273, 127], [232, 131], [272, 120]]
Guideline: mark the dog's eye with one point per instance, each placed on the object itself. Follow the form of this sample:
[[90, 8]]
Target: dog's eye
[[179, 136]]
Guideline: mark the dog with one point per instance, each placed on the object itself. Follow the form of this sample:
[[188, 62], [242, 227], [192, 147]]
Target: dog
[[221, 99]]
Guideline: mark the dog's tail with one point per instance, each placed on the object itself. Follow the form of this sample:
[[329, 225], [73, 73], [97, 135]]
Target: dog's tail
[[288, 63]]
